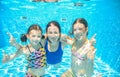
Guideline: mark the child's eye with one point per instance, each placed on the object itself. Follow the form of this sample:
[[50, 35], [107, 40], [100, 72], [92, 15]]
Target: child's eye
[[79, 28], [50, 32], [56, 32], [33, 35], [74, 29], [39, 36]]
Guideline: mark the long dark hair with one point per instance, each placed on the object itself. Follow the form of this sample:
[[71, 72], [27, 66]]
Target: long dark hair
[[79, 20], [55, 24]]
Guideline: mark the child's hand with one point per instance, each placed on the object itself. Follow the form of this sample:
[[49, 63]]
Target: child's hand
[[5, 57], [12, 40], [93, 40], [91, 53], [87, 49], [66, 39]]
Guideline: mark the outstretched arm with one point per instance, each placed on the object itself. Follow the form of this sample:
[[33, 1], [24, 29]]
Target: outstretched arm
[[13, 41], [93, 40], [91, 53], [88, 49], [7, 58], [66, 40]]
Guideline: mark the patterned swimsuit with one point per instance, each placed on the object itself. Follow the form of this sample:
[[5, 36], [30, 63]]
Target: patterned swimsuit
[[81, 56], [36, 59]]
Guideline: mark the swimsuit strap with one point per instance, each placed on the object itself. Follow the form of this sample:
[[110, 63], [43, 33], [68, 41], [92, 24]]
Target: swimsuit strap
[[38, 49], [41, 44], [37, 59], [28, 48]]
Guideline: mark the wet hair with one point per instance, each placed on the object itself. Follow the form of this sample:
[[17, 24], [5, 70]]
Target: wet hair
[[79, 20], [55, 24], [23, 37]]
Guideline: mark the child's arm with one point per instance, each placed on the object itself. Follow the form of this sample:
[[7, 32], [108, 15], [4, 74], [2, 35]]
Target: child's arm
[[13, 41], [92, 50], [87, 50], [93, 40], [66, 40], [7, 58], [91, 53]]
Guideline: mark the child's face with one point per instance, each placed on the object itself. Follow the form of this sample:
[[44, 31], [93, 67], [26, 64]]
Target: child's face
[[79, 30], [34, 37], [53, 33]]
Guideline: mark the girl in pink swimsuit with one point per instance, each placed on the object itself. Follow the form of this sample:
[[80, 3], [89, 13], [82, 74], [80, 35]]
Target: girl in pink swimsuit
[[83, 51]]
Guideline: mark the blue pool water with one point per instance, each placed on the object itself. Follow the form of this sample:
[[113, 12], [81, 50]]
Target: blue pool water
[[102, 16]]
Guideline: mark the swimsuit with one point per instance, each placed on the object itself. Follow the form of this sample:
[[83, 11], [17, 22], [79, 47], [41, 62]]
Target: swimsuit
[[54, 57], [81, 54], [36, 60]]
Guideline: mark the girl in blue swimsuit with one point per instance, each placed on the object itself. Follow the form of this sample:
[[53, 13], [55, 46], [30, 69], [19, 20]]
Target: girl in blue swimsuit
[[54, 46]]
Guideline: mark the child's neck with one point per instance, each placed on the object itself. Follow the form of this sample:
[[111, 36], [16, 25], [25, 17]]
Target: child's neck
[[53, 46], [36, 47]]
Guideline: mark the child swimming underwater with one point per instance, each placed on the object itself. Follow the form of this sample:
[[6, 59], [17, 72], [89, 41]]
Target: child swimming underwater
[[34, 52], [83, 51]]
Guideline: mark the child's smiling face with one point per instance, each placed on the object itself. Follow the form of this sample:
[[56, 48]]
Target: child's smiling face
[[53, 33], [35, 36]]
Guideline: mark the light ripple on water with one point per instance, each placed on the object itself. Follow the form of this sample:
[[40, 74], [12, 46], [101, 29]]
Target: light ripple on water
[[14, 9], [16, 1], [4, 2], [28, 7]]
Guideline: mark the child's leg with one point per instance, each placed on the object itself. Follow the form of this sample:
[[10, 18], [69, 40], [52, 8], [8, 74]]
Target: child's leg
[[68, 73]]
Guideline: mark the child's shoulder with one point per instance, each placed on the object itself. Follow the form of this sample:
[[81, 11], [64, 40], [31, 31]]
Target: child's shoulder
[[24, 49]]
